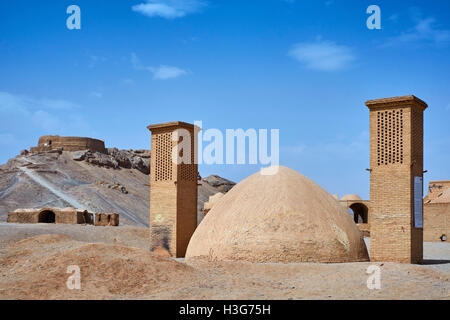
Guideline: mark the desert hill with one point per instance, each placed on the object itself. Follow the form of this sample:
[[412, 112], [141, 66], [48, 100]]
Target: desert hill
[[114, 182]]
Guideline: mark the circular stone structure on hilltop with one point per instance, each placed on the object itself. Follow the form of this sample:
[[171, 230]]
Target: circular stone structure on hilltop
[[47, 143], [283, 217]]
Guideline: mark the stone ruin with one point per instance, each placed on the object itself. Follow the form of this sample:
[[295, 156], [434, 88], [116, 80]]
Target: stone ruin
[[106, 219], [62, 216], [57, 143]]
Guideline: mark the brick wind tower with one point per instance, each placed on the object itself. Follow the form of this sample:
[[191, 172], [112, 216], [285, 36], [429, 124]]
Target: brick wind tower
[[173, 189], [396, 182]]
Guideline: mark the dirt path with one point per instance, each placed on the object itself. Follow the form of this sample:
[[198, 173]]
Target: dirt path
[[6, 191], [36, 178]]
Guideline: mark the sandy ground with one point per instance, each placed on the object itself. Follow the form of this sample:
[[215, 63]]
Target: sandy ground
[[124, 235], [115, 264]]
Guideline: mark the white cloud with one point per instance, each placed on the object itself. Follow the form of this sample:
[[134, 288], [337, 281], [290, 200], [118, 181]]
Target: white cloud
[[136, 62], [168, 9], [20, 113], [425, 30], [23, 103], [96, 94], [322, 55], [163, 72], [167, 72], [57, 104], [94, 60]]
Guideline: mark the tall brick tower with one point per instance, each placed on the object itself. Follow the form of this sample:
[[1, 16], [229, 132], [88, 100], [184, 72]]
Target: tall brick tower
[[173, 188], [396, 183]]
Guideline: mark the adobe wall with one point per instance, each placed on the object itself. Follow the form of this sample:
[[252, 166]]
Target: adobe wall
[[47, 143], [66, 216], [61, 216], [106, 219], [23, 216], [436, 221]]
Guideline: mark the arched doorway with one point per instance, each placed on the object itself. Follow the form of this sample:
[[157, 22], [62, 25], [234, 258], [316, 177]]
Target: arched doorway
[[360, 213], [47, 216]]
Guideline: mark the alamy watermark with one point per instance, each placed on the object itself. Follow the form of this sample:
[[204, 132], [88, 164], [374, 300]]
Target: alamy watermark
[[234, 146], [73, 22], [374, 20], [74, 281], [374, 279]]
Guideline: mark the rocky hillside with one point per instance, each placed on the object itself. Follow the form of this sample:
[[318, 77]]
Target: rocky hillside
[[114, 182]]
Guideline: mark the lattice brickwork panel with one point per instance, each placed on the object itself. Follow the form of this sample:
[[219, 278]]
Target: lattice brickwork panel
[[390, 137], [163, 170], [188, 172]]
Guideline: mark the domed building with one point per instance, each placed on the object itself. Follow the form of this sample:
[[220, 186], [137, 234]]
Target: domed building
[[283, 217], [351, 197]]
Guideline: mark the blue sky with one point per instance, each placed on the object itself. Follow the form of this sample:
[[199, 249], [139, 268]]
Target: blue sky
[[304, 67]]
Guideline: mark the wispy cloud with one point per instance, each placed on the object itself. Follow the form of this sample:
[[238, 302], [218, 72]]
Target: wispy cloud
[[10, 101], [393, 17], [128, 81], [323, 55], [167, 72], [94, 60], [20, 113], [97, 94], [425, 30], [162, 72], [136, 62], [169, 9]]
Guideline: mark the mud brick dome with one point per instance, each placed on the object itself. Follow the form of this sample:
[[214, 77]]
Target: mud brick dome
[[278, 218], [47, 143], [351, 197]]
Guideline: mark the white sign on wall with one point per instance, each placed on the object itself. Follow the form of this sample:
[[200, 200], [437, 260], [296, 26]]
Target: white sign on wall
[[418, 202]]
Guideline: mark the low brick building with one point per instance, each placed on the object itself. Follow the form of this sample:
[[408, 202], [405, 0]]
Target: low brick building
[[51, 215], [62, 216]]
